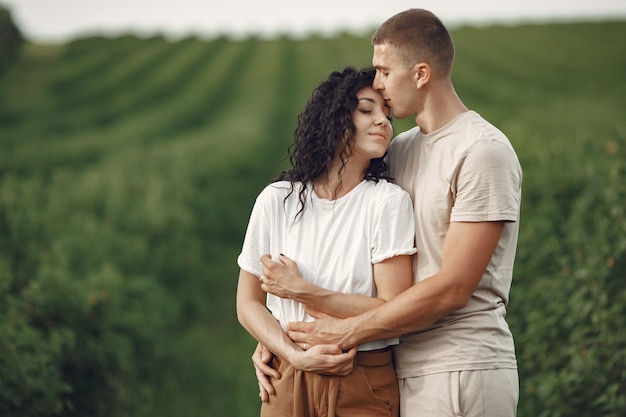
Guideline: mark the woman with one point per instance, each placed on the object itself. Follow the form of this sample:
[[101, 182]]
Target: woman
[[351, 233]]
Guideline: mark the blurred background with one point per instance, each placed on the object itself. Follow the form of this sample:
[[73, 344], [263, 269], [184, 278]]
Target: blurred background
[[136, 135], [63, 20]]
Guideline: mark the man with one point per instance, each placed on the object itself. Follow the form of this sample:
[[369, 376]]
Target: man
[[456, 355]]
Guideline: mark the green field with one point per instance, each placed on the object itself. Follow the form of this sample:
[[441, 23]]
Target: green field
[[128, 168]]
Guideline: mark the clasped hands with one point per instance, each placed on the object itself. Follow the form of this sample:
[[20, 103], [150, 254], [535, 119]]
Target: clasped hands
[[319, 345]]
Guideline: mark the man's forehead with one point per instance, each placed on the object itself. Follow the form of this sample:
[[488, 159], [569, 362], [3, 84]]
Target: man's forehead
[[384, 55], [382, 48]]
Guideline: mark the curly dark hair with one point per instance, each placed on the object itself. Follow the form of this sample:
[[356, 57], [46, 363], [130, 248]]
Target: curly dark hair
[[324, 124]]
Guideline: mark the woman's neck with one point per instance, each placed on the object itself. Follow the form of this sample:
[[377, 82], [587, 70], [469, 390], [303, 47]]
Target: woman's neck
[[335, 184]]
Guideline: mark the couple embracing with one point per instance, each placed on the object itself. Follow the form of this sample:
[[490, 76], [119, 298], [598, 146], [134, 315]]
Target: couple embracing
[[375, 274]]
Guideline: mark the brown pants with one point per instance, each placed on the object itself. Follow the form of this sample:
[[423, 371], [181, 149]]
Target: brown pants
[[370, 390]]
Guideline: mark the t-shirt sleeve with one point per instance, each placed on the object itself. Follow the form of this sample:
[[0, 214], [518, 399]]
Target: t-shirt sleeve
[[487, 184], [257, 238], [394, 228]]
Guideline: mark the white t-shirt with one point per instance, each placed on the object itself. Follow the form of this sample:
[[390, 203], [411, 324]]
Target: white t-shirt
[[334, 243], [467, 171]]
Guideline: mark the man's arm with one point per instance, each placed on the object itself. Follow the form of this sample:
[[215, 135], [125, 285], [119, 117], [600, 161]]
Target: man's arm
[[467, 250]]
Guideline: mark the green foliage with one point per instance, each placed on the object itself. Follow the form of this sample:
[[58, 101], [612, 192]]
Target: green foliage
[[571, 345], [130, 165], [10, 38], [79, 322]]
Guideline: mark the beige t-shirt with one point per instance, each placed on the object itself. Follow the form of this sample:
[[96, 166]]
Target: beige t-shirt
[[466, 171]]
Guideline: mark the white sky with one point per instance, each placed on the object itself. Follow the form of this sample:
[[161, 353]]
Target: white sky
[[61, 20]]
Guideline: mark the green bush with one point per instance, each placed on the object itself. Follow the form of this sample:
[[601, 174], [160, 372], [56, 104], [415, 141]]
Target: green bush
[[570, 302], [78, 332], [10, 38]]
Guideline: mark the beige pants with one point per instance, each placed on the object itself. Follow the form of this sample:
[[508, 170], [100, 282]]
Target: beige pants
[[485, 393], [371, 390]]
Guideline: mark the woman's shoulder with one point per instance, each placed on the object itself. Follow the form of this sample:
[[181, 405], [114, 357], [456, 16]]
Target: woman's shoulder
[[386, 197], [278, 189], [384, 188]]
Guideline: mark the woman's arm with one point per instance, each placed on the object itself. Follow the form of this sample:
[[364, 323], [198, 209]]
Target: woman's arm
[[257, 320], [283, 279], [391, 277]]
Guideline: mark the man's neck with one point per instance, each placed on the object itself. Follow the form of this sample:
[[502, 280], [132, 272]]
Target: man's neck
[[443, 106]]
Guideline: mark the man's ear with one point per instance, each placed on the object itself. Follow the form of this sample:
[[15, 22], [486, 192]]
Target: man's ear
[[421, 74]]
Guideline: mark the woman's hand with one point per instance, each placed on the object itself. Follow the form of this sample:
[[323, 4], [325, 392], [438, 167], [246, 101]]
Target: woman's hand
[[321, 359], [283, 279]]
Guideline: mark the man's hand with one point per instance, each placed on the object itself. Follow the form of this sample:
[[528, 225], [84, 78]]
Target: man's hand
[[325, 329], [261, 359], [325, 360]]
